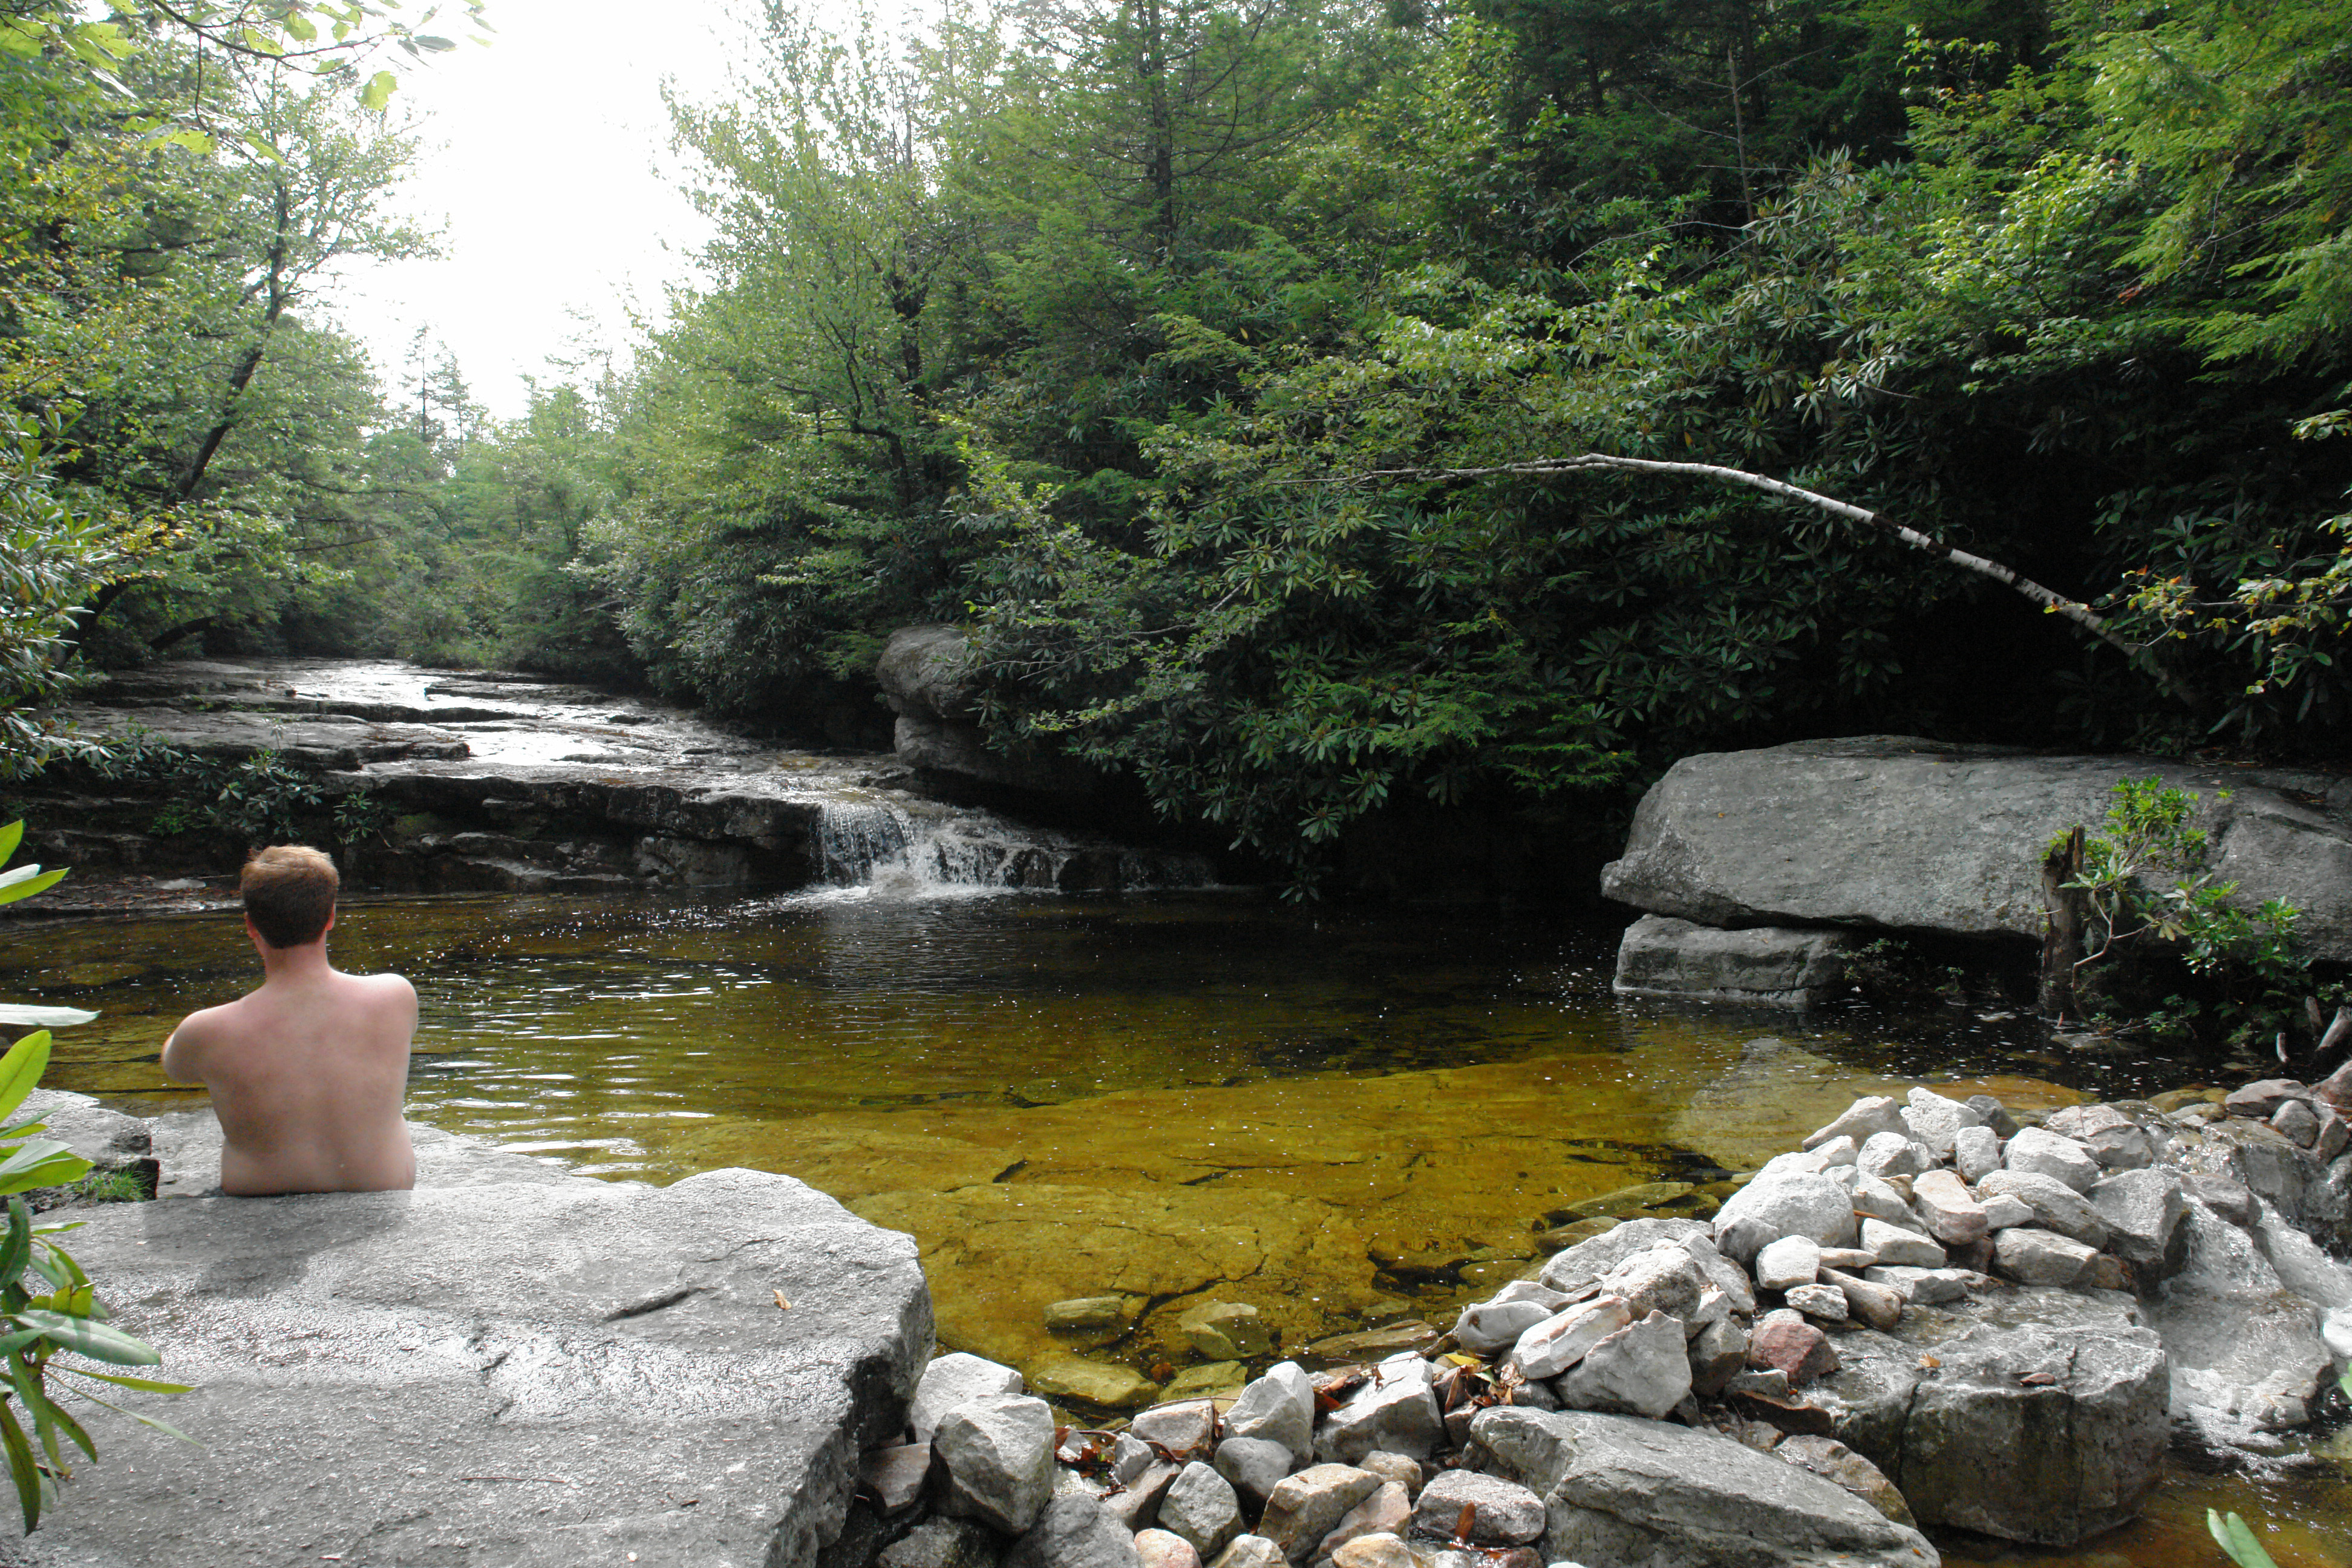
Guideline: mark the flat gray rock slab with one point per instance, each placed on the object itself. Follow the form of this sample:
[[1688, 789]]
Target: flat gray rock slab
[[504, 1375], [1896, 832]]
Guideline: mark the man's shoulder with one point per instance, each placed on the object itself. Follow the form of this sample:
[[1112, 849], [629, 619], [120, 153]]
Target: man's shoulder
[[208, 1021], [382, 988], [387, 981]]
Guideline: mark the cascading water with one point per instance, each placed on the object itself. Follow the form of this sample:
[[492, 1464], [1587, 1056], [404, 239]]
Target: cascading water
[[884, 845]]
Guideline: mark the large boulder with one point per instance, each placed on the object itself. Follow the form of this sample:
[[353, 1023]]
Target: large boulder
[[506, 1374], [926, 675], [1890, 832], [2038, 1416], [1647, 1494]]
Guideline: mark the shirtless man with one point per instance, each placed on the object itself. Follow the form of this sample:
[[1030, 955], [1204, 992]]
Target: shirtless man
[[308, 1072]]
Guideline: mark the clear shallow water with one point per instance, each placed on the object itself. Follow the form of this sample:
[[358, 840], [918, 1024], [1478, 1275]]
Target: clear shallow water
[[1170, 1096]]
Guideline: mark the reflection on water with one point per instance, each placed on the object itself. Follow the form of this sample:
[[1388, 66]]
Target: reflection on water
[[1336, 1116]]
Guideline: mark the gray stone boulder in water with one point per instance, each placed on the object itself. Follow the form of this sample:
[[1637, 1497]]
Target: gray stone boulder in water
[[596, 1353], [1762, 967], [1646, 1494], [1278, 1407], [925, 673], [1394, 1412], [1774, 1206], [1889, 832], [2246, 1351]]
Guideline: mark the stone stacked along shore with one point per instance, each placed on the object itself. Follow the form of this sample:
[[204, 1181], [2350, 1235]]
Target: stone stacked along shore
[[1934, 1313]]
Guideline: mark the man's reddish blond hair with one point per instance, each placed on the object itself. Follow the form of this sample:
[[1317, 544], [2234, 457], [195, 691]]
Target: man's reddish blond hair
[[290, 893]]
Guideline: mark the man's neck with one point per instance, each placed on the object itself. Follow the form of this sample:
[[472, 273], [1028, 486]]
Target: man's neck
[[295, 965]]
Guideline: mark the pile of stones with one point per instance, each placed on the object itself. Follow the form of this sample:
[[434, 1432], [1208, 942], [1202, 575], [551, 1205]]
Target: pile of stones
[[1935, 1312]]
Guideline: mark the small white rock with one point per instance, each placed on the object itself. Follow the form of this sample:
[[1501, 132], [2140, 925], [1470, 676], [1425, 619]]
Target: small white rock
[[1791, 1261], [1976, 1152]]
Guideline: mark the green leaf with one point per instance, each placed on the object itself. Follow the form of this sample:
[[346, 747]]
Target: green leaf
[[26, 881], [21, 1068], [21, 1468], [144, 1384], [54, 1170], [16, 1248], [2237, 1540], [379, 89], [96, 1340], [163, 1427], [13, 833]]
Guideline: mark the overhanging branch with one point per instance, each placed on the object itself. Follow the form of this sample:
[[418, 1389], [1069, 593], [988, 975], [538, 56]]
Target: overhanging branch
[[2074, 610]]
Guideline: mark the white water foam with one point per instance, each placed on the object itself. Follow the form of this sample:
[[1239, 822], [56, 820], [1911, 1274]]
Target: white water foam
[[882, 849]]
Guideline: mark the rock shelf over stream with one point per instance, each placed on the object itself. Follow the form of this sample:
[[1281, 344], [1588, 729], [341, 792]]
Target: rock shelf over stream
[[503, 783], [1935, 1314]]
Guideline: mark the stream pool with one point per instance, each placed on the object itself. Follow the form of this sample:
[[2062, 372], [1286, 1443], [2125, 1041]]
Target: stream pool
[[1340, 1117]]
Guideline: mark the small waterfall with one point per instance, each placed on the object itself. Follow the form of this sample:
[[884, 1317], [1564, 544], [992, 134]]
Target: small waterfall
[[863, 843], [854, 837]]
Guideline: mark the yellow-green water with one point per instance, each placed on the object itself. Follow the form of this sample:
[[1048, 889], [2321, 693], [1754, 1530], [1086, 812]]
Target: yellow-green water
[[1172, 1098]]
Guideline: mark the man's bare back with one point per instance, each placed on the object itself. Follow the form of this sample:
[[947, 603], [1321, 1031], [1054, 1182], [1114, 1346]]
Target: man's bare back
[[307, 1075]]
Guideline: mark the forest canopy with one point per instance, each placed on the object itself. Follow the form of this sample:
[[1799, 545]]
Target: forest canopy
[[1197, 356]]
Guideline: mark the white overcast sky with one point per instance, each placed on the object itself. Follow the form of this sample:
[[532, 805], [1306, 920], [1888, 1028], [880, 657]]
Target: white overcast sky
[[543, 170]]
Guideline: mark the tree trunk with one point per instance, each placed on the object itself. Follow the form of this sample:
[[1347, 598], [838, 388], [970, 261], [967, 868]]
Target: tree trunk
[[2062, 942]]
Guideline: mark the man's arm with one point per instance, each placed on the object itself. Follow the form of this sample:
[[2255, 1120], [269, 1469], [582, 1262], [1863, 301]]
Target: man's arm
[[183, 1053]]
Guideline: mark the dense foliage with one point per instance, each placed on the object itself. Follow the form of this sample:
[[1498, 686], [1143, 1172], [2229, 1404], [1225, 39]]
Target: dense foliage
[[1192, 354], [1151, 342]]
